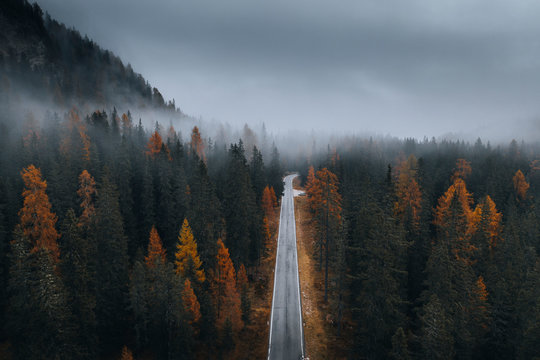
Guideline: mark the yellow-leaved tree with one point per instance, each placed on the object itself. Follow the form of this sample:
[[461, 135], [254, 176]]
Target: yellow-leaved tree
[[187, 262]]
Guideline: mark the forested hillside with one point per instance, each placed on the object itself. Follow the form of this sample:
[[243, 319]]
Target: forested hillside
[[114, 235], [432, 249], [41, 59]]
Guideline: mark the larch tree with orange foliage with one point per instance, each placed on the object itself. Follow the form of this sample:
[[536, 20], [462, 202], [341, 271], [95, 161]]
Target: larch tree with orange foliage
[[191, 304], [450, 267], [197, 145], [37, 221], [156, 252], [520, 185], [227, 298], [462, 170], [273, 197], [126, 354], [267, 202], [266, 233], [409, 196], [488, 222], [187, 262], [310, 179], [87, 191], [154, 144], [326, 202]]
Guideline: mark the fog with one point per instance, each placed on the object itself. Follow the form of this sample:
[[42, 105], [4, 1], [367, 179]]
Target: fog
[[410, 68]]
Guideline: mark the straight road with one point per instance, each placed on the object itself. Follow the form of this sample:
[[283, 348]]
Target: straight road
[[286, 331]]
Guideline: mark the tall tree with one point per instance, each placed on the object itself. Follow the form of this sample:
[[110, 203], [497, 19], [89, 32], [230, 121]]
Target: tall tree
[[37, 221], [187, 262], [87, 191], [193, 308], [197, 145], [327, 204], [111, 266], [156, 252], [227, 298], [77, 265], [39, 319]]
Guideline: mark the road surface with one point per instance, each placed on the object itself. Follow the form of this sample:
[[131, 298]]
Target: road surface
[[286, 332]]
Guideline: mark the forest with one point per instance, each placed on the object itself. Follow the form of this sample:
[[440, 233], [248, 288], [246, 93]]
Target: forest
[[133, 237], [114, 235], [430, 249]]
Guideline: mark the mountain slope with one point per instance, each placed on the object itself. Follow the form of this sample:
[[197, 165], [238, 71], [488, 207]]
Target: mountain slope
[[42, 58]]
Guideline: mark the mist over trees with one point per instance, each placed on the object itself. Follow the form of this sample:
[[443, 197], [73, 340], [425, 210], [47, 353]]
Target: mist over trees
[[130, 236]]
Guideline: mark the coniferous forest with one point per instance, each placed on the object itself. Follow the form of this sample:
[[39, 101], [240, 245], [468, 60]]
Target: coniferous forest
[[434, 247], [143, 237]]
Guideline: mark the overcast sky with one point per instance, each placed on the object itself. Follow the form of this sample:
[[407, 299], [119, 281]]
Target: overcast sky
[[406, 68]]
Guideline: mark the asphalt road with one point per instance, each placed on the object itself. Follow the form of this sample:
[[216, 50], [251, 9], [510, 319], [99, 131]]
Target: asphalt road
[[286, 332]]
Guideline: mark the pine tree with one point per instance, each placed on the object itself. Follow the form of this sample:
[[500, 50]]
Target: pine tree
[[187, 262], [111, 265], [77, 265], [242, 285], [39, 324], [275, 173], [437, 341], [257, 173]]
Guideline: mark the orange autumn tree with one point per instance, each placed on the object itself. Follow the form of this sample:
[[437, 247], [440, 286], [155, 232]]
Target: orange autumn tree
[[226, 295], [156, 252], [479, 305], [520, 185], [266, 233], [187, 262], [267, 202], [87, 191], [409, 196], [325, 200], [197, 144], [37, 221], [489, 221], [454, 216], [242, 279], [126, 354], [191, 304], [310, 179], [154, 144], [462, 169], [273, 196]]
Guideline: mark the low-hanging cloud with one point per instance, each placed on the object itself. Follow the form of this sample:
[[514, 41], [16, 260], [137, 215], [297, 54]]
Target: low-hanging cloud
[[410, 68]]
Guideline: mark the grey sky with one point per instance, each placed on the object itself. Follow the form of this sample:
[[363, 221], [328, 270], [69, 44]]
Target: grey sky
[[408, 68]]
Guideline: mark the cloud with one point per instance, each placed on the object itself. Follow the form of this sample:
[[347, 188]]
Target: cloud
[[410, 68]]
